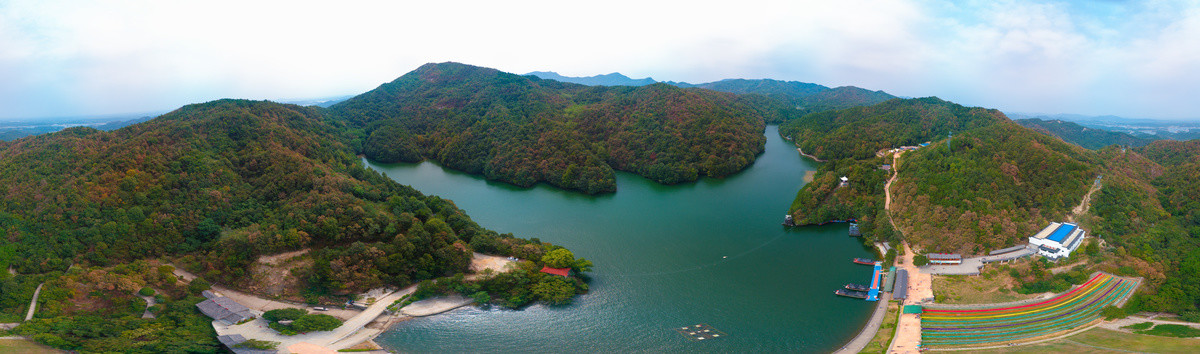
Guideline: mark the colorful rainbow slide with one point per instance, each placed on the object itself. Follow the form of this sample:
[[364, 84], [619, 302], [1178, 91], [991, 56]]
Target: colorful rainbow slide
[[1002, 325]]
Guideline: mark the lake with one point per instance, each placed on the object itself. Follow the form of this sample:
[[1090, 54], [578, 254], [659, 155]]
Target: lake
[[711, 252]]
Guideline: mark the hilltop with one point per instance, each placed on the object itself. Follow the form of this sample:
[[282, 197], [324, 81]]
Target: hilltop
[[796, 98], [1090, 138], [958, 196], [613, 79], [524, 130]]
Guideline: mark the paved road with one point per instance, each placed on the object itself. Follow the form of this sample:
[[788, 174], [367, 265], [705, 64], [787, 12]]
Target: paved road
[[33, 303], [868, 332]]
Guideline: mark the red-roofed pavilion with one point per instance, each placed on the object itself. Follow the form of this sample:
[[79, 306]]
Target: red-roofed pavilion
[[566, 272]]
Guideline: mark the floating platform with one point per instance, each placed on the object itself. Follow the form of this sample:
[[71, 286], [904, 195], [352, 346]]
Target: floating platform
[[876, 277], [864, 261], [857, 287], [700, 332], [851, 293], [854, 229]]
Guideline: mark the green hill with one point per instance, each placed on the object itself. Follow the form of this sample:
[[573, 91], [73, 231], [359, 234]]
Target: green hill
[[989, 188], [860, 132], [998, 181], [523, 130], [1090, 138], [227, 181], [804, 97]]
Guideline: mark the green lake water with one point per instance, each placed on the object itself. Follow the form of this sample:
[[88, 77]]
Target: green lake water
[[711, 252]]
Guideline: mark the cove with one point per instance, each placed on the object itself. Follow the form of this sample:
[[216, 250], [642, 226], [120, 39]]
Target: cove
[[711, 252]]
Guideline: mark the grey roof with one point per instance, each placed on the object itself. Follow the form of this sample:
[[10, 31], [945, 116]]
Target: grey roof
[[944, 256], [230, 340], [225, 309], [1007, 250], [900, 290], [208, 294]]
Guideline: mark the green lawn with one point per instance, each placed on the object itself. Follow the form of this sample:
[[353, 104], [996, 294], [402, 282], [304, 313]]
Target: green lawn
[[22, 346], [887, 330], [1100, 340], [1173, 330]]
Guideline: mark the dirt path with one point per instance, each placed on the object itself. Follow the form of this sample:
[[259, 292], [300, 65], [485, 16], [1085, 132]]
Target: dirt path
[[261, 304], [887, 188], [920, 287], [808, 156], [33, 303], [1117, 324], [1085, 203]]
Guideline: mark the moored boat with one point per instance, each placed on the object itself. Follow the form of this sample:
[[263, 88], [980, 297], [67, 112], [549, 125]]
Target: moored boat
[[851, 293], [864, 261], [857, 287]]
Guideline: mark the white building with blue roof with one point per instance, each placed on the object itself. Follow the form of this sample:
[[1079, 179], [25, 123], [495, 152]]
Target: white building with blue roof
[[1058, 240]]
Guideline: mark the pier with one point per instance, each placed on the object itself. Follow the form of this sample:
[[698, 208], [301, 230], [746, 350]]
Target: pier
[[873, 294]]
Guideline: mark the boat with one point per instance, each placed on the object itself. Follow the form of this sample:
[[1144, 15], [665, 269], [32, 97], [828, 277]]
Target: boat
[[851, 293], [857, 287], [864, 261]]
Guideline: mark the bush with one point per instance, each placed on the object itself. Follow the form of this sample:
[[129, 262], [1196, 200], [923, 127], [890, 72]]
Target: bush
[[257, 344], [1172, 330], [920, 260], [146, 291], [284, 314], [319, 322], [198, 285], [1113, 312]]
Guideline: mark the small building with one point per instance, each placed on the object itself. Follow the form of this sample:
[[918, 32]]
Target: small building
[[225, 310], [564, 272], [886, 167], [944, 258], [1058, 240], [900, 288], [845, 182]]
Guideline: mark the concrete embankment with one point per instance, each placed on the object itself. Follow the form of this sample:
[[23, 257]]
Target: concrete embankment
[[868, 332]]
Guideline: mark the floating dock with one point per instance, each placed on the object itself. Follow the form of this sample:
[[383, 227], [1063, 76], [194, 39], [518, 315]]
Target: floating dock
[[873, 293]]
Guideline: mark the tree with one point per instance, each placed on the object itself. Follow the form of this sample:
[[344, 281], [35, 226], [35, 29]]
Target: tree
[[559, 258], [920, 260], [318, 322], [198, 285], [554, 290]]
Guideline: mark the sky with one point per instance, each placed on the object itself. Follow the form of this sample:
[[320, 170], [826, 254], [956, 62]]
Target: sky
[[78, 58]]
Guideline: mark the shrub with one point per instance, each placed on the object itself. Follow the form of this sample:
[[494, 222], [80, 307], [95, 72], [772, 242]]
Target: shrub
[[319, 322], [284, 314], [146, 291]]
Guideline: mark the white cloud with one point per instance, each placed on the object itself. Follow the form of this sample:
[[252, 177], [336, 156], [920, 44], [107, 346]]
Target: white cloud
[[76, 57]]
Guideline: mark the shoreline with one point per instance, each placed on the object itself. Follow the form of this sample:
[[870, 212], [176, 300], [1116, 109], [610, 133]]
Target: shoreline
[[814, 158]]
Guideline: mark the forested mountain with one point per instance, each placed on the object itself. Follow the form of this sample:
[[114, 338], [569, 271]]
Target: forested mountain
[[860, 132], [524, 130], [1090, 138], [613, 79], [1148, 209], [989, 188], [978, 192], [805, 97], [229, 180]]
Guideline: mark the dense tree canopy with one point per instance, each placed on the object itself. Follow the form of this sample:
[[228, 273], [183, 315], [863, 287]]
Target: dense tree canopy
[[523, 130]]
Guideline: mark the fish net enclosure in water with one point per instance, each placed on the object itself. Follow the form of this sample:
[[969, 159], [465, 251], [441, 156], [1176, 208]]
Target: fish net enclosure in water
[[700, 332]]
